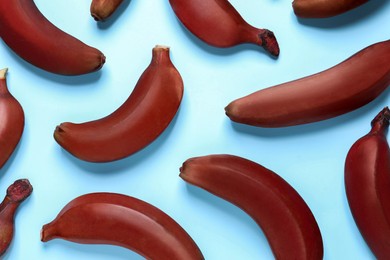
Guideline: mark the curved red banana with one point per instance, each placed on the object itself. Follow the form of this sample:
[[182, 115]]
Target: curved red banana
[[16, 194], [136, 123], [330, 93], [324, 8], [367, 184], [116, 219], [277, 208], [218, 23], [103, 9], [35, 39], [11, 120]]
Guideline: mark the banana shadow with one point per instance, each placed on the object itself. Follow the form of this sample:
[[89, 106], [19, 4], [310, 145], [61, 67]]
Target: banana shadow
[[353, 16], [10, 160], [108, 251], [324, 125], [128, 162], [234, 211], [66, 80], [115, 16], [219, 51], [353, 230]]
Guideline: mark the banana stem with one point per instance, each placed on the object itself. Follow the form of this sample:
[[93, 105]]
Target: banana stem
[[268, 42], [381, 122], [19, 190]]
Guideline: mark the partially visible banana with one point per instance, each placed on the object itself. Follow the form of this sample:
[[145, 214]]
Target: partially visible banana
[[101, 10], [116, 219], [11, 120], [16, 194], [324, 8], [35, 39], [136, 123], [367, 184], [277, 208]]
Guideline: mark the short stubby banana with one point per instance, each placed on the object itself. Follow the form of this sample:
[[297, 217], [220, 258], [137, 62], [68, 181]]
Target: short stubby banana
[[136, 123]]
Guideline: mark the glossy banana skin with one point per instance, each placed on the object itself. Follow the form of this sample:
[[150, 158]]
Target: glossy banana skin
[[16, 194], [330, 93], [324, 8], [103, 9], [367, 184], [116, 219], [35, 39], [218, 23], [277, 208], [11, 120], [139, 121]]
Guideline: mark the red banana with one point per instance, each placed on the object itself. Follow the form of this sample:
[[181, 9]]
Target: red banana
[[116, 219], [35, 39], [218, 23], [103, 9], [367, 184], [343, 88], [324, 8], [139, 121], [277, 208], [11, 120], [16, 194]]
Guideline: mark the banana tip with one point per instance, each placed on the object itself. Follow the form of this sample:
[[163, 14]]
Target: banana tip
[[42, 236], [97, 17], [58, 132], [181, 171], [45, 233], [59, 129], [102, 61], [3, 72], [229, 111], [186, 170], [159, 46]]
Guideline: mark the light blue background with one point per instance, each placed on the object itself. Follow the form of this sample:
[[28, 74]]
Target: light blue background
[[309, 157]]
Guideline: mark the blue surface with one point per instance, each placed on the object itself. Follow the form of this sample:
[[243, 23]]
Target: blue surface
[[309, 157]]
